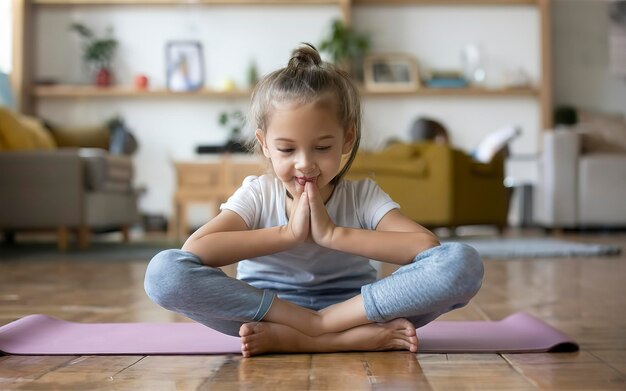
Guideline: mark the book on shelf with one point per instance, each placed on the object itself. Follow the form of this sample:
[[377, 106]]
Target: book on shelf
[[447, 82]]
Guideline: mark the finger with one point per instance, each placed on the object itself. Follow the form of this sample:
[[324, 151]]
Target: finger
[[305, 210], [303, 202], [303, 216], [315, 200]]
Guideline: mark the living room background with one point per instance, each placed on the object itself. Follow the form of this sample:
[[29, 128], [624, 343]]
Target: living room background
[[233, 36]]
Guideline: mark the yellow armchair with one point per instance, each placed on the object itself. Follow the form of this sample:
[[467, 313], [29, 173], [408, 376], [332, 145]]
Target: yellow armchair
[[438, 186]]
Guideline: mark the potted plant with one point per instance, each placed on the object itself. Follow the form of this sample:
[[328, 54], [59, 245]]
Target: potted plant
[[346, 48], [234, 121], [98, 53]]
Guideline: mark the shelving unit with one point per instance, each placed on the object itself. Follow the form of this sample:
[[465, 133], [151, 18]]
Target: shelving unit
[[167, 122], [68, 92], [180, 2], [27, 92], [445, 2]]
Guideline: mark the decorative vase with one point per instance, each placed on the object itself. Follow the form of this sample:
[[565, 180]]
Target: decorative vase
[[104, 77]]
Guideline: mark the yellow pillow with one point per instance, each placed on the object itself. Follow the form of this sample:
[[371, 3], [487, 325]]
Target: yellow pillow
[[39, 134], [20, 133], [12, 134]]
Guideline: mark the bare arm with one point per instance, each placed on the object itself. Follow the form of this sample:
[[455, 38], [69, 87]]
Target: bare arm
[[397, 239], [226, 239]]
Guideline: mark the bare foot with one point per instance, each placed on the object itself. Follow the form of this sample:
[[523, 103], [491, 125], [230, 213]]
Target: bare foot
[[265, 337]]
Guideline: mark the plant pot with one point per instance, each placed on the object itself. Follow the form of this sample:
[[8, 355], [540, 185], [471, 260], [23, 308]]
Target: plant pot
[[104, 77]]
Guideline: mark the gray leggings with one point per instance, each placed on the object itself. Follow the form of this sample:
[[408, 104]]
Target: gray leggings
[[437, 281]]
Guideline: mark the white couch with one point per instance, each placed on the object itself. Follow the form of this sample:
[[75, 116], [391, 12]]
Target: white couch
[[582, 182]]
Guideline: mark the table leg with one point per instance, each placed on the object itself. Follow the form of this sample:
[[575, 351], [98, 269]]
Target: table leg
[[172, 229], [182, 222]]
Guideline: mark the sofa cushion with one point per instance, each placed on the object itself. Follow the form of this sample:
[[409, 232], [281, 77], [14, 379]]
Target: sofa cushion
[[397, 151], [38, 132], [602, 133], [396, 159], [602, 190], [106, 172], [22, 133], [415, 168], [87, 137]]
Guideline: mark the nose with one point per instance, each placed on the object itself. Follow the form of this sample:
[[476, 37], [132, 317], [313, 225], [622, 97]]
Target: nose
[[305, 162]]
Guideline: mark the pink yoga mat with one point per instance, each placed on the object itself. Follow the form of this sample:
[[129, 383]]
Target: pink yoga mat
[[45, 335]]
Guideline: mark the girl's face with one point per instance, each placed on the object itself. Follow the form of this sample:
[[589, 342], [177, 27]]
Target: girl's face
[[305, 144]]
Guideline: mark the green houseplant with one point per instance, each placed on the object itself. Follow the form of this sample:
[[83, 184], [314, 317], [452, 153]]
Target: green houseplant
[[346, 48], [234, 121], [98, 52]]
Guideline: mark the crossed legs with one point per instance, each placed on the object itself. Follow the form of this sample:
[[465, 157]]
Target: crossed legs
[[383, 317]]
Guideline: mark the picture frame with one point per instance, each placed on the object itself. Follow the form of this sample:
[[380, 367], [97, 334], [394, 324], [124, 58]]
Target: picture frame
[[185, 66], [391, 73]]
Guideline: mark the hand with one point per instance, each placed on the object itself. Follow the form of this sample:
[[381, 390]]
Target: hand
[[299, 219], [322, 227]]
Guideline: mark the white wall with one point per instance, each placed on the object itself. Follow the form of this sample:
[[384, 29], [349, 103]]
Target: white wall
[[581, 55], [6, 36], [232, 36]]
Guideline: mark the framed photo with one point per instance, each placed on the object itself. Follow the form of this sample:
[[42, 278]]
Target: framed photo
[[391, 72], [185, 66]]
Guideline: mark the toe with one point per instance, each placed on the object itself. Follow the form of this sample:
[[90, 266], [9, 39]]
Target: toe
[[400, 344], [253, 339], [246, 329], [248, 339]]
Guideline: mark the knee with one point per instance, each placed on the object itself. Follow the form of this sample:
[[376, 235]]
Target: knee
[[464, 267], [165, 276]]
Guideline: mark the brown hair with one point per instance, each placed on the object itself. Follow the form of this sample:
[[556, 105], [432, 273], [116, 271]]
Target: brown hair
[[307, 79]]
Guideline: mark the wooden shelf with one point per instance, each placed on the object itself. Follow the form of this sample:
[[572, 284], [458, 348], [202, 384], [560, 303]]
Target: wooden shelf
[[77, 91], [455, 92], [187, 2], [86, 91], [444, 2], [284, 2], [24, 12]]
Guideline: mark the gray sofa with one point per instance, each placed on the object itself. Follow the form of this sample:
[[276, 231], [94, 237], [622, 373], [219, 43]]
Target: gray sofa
[[80, 190], [582, 184]]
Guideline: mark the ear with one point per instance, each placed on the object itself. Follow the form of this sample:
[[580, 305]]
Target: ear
[[260, 137], [348, 140]]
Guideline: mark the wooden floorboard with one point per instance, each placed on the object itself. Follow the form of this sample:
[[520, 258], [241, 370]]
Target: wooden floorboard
[[584, 297]]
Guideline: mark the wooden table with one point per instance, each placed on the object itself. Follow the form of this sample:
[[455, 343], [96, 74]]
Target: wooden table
[[208, 180]]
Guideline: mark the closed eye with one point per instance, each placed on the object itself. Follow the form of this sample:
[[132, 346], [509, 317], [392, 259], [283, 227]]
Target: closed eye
[[322, 148]]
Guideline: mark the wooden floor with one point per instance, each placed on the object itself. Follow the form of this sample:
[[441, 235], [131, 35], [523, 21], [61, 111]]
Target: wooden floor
[[584, 297]]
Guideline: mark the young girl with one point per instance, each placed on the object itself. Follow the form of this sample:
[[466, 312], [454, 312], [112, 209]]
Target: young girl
[[304, 236]]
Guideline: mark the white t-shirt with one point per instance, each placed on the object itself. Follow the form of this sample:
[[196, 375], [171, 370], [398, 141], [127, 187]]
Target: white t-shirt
[[261, 203]]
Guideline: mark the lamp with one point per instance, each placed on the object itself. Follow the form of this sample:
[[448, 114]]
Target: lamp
[[6, 97]]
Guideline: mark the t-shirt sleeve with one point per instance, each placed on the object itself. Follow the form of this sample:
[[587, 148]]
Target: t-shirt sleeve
[[246, 201], [374, 203]]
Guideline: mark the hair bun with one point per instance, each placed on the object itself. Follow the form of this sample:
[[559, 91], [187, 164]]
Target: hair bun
[[305, 55]]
